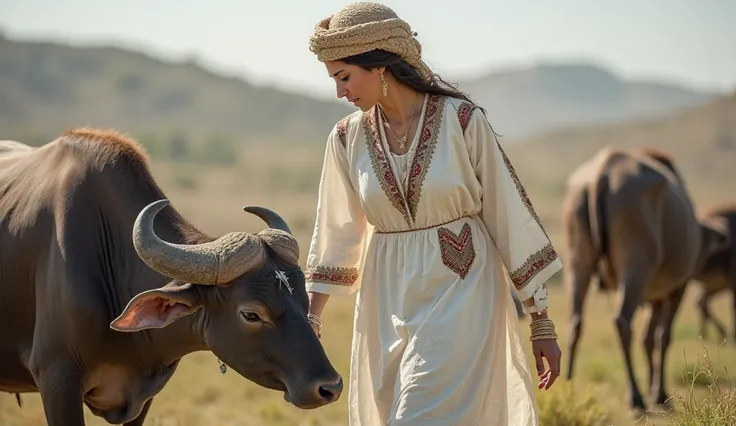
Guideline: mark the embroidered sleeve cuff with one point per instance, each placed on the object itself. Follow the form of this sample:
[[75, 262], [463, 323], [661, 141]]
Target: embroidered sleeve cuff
[[536, 276], [331, 289], [332, 280]]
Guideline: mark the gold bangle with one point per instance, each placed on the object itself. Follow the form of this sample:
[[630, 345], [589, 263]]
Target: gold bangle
[[541, 321], [542, 325], [315, 320], [542, 329], [552, 336]]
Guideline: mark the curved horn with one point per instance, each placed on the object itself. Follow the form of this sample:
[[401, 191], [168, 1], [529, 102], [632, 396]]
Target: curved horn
[[272, 219], [215, 262], [279, 237]]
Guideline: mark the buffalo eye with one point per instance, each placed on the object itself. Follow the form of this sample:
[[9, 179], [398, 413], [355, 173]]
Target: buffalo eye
[[250, 316]]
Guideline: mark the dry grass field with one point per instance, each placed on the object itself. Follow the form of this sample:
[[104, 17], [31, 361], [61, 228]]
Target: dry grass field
[[286, 181]]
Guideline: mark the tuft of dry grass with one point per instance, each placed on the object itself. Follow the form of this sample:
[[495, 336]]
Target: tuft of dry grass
[[716, 408], [566, 404]]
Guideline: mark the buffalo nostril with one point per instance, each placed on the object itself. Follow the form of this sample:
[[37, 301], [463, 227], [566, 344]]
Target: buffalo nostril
[[326, 393], [330, 391]]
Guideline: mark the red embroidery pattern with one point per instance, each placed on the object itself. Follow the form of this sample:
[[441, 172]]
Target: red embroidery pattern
[[463, 114], [458, 252], [465, 111], [381, 164], [336, 275], [424, 152], [520, 189], [420, 164], [535, 263], [544, 257], [342, 130]]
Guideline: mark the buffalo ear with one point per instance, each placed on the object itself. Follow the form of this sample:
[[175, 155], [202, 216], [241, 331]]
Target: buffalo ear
[[157, 308]]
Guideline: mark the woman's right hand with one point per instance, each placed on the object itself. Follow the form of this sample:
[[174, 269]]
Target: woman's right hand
[[316, 331], [317, 303], [316, 322]]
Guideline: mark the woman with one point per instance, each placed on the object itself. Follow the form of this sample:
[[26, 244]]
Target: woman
[[420, 209]]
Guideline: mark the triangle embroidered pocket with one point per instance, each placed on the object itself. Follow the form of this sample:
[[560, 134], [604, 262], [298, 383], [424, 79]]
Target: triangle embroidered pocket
[[458, 251]]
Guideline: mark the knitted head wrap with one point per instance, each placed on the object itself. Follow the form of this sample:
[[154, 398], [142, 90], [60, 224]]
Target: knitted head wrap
[[363, 26]]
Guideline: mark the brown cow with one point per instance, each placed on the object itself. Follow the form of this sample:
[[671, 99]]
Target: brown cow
[[719, 271], [629, 219]]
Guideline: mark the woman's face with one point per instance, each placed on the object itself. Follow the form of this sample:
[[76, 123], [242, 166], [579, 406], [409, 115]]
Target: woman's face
[[362, 88]]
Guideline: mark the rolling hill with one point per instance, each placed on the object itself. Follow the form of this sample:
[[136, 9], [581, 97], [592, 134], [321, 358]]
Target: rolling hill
[[701, 139], [46, 87], [523, 102]]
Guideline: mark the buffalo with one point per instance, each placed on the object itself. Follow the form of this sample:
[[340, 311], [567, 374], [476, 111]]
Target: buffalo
[[104, 287], [719, 272], [628, 218]]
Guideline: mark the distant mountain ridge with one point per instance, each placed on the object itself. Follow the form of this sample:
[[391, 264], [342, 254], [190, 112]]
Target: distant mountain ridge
[[522, 102], [46, 87]]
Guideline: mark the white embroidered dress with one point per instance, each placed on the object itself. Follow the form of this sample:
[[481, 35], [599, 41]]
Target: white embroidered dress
[[435, 333]]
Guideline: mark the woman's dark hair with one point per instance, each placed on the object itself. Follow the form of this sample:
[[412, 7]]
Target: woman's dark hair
[[406, 74]]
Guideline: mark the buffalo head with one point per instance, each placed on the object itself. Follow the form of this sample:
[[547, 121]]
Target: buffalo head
[[715, 247], [254, 303]]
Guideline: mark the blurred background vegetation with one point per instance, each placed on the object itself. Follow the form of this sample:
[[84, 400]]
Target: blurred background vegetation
[[218, 142]]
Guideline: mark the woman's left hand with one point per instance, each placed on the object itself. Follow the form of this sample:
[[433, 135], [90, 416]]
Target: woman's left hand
[[550, 350]]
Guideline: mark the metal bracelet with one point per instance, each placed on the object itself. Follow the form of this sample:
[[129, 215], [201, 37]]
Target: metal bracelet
[[546, 336], [315, 320]]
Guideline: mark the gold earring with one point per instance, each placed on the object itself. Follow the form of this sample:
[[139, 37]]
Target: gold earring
[[384, 85]]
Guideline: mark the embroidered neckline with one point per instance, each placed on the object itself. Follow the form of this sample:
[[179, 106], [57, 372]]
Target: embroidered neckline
[[405, 198]]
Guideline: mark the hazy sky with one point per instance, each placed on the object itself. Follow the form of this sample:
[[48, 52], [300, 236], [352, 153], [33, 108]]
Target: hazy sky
[[266, 41]]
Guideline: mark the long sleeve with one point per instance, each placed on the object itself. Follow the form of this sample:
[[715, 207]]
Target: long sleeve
[[538, 301], [336, 251], [507, 212]]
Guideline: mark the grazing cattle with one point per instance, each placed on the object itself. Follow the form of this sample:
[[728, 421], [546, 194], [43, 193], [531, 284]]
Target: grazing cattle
[[628, 218], [719, 272], [104, 288]]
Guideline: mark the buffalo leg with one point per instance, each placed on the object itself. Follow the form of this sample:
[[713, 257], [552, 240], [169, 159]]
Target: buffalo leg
[[733, 301], [60, 388], [579, 277], [142, 416], [664, 338], [703, 310], [632, 287], [706, 315], [655, 320]]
